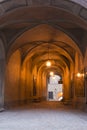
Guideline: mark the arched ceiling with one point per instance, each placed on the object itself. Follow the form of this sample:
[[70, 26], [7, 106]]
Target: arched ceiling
[[34, 44], [31, 26], [18, 21], [55, 69], [81, 2], [43, 34]]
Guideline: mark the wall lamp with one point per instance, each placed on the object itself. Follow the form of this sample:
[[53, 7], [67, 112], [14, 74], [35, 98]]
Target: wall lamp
[[78, 75], [84, 74]]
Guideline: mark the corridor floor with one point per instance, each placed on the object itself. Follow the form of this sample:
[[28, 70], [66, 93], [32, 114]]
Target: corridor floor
[[43, 116]]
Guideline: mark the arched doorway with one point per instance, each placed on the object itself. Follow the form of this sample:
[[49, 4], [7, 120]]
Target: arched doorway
[[28, 46], [54, 87]]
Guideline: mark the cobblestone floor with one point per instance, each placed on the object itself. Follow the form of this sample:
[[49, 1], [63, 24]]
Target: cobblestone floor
[[43, 116]]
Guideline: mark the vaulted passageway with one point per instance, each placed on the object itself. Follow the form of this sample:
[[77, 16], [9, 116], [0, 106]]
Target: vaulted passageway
[[37, 32], [28, 75]]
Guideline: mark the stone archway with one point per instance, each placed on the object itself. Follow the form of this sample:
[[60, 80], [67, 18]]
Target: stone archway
[[31, 26], [54, 87]]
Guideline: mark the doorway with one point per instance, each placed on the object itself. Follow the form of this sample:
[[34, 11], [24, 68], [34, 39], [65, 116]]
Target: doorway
[[55, 88]]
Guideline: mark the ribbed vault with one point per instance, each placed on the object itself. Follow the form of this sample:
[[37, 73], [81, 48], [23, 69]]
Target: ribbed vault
[[38, 31]]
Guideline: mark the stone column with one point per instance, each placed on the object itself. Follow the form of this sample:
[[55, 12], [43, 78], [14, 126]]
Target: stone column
[[2, 82], [85, 78], [66, 86]]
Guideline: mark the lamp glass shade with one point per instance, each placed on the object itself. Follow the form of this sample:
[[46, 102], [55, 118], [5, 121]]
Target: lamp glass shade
[[48, 63]]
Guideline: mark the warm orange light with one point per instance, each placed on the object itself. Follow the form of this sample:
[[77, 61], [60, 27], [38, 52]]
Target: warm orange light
[[48, 63], [51, 73], [60, 94], [78, 75]]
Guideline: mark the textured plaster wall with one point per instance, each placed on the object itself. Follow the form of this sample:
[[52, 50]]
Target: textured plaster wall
[[44, 85], [26, 81], [67, 84], [79, 91], [39, 84], [29, 81], [12, 78], [22, 83]]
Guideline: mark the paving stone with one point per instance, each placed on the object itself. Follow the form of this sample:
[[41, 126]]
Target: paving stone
[[43, 116]]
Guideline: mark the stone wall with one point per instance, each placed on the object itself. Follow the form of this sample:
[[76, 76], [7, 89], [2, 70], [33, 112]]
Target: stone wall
[[77, 7], [12, 78], [2, 73]]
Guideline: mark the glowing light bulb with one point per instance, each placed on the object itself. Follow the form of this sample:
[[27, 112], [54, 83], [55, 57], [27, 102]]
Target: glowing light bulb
[[51, 73], [78, 75], [48, 63]]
